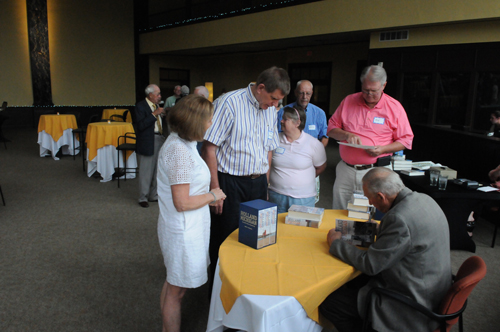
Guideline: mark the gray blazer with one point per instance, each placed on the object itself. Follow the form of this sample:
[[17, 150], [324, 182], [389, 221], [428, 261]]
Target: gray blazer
[[411, 256]]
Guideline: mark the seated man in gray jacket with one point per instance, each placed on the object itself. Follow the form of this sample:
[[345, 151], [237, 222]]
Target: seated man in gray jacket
[[411, 256]]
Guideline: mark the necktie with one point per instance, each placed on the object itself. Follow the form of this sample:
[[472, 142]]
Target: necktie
[[158, 120]]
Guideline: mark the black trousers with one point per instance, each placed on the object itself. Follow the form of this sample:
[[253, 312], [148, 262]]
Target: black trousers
[[238, 189], [341, 306]]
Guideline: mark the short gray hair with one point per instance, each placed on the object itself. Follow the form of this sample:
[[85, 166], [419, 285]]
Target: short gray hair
[[374, 73], [184, 90], [150, 89], [201, 90], [383, 180], [303, 81]]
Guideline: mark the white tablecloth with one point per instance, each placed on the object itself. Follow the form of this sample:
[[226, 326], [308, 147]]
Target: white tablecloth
[[258, 313], [47, 144], [106, 161]]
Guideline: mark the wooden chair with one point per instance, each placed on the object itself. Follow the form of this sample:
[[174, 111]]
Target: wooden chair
[[125, 146], [454, 302]]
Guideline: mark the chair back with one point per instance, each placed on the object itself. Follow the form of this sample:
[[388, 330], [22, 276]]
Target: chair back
[[125, 115], [470, 273]]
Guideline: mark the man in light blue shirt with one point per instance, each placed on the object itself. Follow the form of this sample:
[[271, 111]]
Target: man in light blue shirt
[[170, 102], [316, 124]]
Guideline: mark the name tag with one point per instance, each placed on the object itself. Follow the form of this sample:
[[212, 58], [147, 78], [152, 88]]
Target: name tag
[[379, 120], [280, 150], [312, 127], [270, 134]]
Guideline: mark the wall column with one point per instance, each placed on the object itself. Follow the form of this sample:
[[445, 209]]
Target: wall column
[[39, 52]]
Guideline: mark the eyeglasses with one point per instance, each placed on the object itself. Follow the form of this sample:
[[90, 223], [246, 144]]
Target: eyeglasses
[[308, 94], [372, 92]]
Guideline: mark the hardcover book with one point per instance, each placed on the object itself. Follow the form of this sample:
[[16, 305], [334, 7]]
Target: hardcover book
[[413, 172], [359, 215], [302, 222], [359, 233], [306, 212], [258, 223], [358, 198], [360, 208]]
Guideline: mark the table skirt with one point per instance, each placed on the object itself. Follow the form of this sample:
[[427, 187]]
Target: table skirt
[[258, 313], [47, 144], [106, 161]]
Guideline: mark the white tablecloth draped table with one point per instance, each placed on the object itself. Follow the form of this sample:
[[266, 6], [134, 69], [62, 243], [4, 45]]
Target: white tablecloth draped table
[[47, 144], [102, 139], [258, 313], [107, 160], [56, 132]]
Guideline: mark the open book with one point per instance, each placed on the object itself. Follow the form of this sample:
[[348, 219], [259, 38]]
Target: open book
[[358, 233]]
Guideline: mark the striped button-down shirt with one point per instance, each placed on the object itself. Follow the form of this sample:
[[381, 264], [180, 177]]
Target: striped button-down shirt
[[243, 133]]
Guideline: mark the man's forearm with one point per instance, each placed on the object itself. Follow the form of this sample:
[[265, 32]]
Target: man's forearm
[[324, 141], [338, 134], [270, 159], [393, 147], [208, 154]]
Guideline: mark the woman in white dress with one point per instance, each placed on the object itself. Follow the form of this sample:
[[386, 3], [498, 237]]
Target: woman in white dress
[[183, 196]]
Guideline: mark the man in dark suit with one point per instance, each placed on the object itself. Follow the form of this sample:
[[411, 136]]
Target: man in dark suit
[[411, 256], [150, 137]]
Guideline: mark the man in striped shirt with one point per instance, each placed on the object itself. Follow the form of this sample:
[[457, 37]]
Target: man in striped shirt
[[238, 149]]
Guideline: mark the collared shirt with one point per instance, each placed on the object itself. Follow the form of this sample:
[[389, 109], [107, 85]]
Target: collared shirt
[[243, 132], [170, 102], [315, 120], [384, 124], [293, 171]]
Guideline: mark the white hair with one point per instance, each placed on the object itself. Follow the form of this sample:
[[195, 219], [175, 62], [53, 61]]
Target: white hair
[[201, 90], [374, 73], [303, 81], [383, 180], [150, 89]]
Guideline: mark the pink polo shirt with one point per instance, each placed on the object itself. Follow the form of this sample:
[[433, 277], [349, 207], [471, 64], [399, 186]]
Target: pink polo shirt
[[384, 124]]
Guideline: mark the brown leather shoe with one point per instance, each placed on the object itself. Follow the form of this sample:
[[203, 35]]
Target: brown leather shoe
[[144, 204]]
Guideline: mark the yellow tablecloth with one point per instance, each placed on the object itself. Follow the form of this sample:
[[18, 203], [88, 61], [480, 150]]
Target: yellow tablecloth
[[100, 134], [106, 114], [55, 125], [298, 265]]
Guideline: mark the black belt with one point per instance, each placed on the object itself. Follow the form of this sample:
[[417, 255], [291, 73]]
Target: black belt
[[253, 176], [158, 133], [360, 167]]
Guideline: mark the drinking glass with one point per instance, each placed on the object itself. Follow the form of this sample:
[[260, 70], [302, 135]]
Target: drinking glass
[[442, 181], [434, 175]]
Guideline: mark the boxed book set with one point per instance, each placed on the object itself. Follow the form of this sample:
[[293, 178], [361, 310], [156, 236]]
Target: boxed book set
[[258, 223]]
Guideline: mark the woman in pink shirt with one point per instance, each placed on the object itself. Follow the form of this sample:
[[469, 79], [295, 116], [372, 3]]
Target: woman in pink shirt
[[296, 163]]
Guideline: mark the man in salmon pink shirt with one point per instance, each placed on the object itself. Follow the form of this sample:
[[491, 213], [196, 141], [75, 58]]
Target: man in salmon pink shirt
[[368, 118]]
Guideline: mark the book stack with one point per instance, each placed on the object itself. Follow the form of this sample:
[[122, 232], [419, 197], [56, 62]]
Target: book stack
[[305, 216], [359, 233], [413, 172], [399, 162], [401, 165], [359, 207]]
